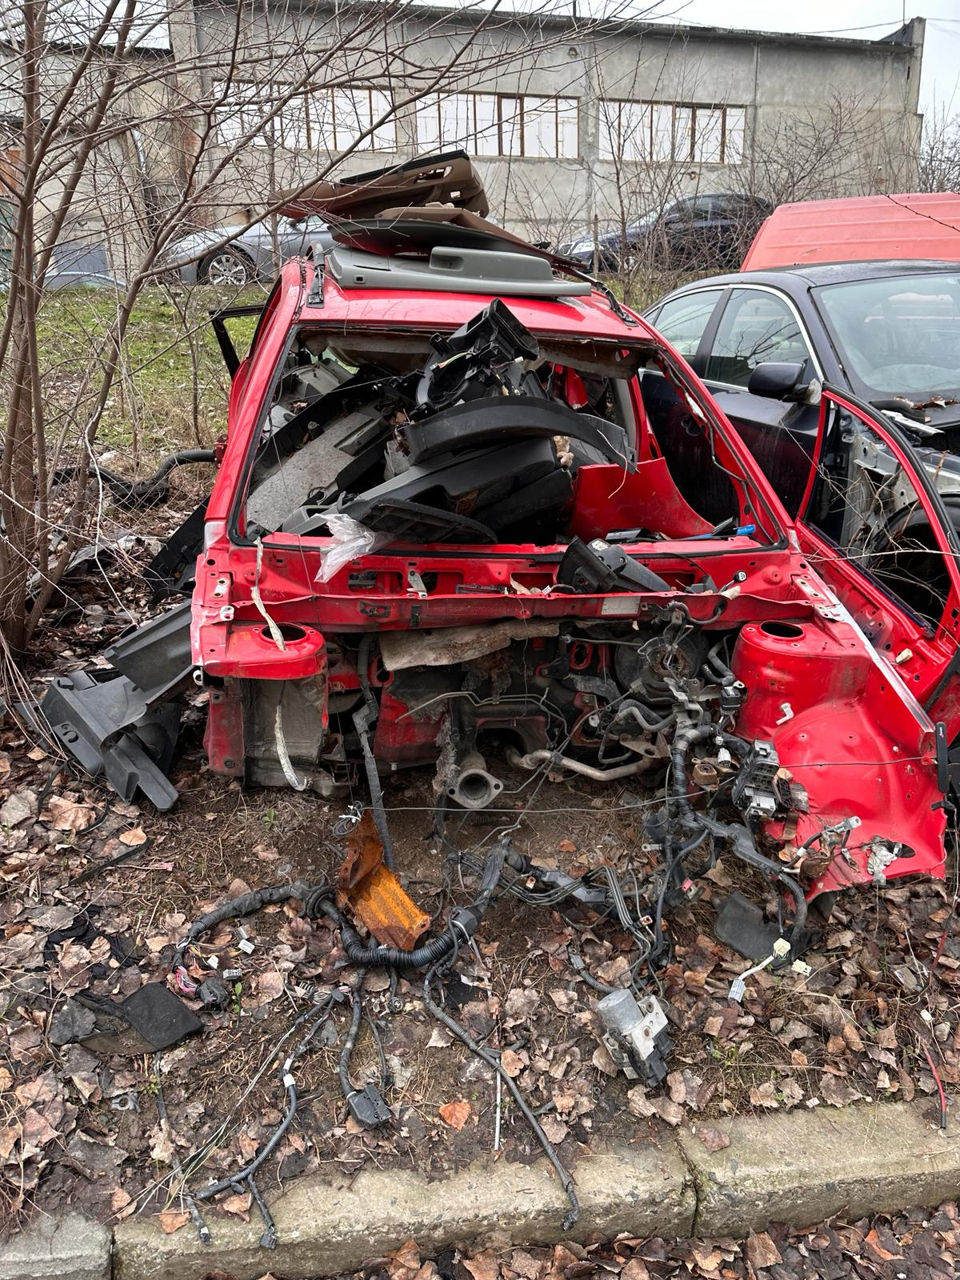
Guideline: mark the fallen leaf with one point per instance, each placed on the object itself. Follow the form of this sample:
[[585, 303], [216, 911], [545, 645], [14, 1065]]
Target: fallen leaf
[[837, 1092], [172, 1220], [269, 987], [121, 1203], [526, 1265], [761, 1251], [9, 1137], [161, 1145], [512, 1063], [37, 1129], [638, 1104], [566, 846], [764, 1095], [887, 1037], [483, 1267], [248, 1147], [706, 1256], [616, 972], [872, 1241], [668, 1110], [238, 1204], [791, 1093], [18, 807], [554, 1128], [852, 1037], [521, 1003], [635, 1270], [677, 1087], [68, 815], [565, 1001], [133, 838], [712, 1139], [41, 1090], [603, 1062], [405, 1262], [455, 1114]]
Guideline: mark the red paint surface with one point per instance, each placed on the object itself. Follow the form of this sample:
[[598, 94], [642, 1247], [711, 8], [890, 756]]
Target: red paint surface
[[859, 229], [856, 735]]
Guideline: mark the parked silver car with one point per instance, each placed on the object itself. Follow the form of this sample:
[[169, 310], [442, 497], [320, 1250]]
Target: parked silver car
[[225, 256]]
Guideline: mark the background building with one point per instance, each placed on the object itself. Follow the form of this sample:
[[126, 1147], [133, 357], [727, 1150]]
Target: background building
[[569, 119], [575, 123]]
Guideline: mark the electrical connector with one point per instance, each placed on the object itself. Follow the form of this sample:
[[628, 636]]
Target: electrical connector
[[368, 1108], [213, 994]]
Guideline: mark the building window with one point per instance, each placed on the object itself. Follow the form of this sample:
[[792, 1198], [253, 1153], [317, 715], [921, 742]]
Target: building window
[[338, 118], [664, 131], [499, 124], [322, 119]]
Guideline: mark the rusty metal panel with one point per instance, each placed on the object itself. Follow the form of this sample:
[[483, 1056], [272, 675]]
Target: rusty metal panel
[[374, 893]]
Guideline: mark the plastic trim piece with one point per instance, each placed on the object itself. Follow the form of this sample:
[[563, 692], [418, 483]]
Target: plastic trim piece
[[451, 270]]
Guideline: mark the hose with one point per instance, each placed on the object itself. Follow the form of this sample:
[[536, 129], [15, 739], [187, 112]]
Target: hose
[[533, 759], [635, 710], [245, 905], [149, 492], [351, 1040], [716, 663], [682, 742]]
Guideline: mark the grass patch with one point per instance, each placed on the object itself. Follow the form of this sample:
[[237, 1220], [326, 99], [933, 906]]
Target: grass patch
[[172, 386]]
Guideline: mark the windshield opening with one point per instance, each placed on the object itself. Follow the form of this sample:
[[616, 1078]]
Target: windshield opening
[[898, 337], [488, 435]]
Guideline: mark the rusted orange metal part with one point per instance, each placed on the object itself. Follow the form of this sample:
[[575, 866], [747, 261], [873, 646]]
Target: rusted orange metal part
[[373, 892]]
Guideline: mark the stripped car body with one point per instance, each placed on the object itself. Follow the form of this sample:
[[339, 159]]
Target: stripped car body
[[566, 556]]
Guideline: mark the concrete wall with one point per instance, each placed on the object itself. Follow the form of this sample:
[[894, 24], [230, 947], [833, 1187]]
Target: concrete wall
[[840, 115], [821, 116]]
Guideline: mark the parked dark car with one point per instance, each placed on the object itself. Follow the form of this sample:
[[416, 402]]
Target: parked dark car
[[697, 231], [765, 342]]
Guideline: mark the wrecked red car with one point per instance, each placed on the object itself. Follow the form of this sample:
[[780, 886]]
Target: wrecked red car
[[472, 512]]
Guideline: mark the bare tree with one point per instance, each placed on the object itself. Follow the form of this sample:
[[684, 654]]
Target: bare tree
[[119, 129], [938, 163], [848, 146]]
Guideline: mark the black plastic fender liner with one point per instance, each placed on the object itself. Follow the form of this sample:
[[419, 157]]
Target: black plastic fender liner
[[156, 656], [173, 569], [124, 723], [507, 419], [94, 720]]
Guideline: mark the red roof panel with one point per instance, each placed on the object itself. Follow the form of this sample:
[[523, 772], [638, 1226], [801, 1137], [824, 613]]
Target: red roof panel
[[859, 229]]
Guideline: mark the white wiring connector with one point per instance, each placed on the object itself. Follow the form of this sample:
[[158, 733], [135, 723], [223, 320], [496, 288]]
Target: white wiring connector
[[738, 987]]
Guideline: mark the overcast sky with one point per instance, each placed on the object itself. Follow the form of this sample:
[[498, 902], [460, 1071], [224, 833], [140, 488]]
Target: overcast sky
[[867, 19]]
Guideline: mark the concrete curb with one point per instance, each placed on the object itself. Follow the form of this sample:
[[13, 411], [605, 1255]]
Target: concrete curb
[[324, 1230], [801, 1167], [797, 1168], [68, 1246]]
